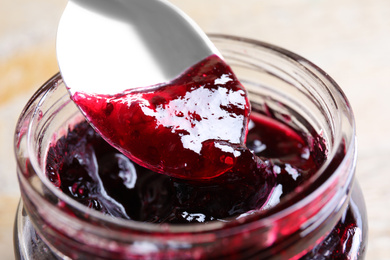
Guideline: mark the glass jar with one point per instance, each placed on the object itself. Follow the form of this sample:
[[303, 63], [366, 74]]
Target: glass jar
[[325, 219]]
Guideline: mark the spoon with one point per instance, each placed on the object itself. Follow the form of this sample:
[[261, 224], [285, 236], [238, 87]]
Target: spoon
[[153, 85], [108, 46]]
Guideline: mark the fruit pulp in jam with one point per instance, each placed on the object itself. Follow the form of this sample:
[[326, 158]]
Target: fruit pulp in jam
[[87, 168]]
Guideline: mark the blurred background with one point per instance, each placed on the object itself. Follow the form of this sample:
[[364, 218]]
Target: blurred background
[[349, 39]]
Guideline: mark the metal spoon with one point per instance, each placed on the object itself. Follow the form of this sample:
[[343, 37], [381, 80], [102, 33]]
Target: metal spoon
[[108, 46]]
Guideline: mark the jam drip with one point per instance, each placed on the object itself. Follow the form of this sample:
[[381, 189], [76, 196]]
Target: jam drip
[[193, 127]]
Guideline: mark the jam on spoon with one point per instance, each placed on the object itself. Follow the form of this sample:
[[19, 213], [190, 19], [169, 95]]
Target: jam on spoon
[[193, 127]]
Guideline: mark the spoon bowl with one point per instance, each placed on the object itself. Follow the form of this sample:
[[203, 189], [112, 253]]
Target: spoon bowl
[[102, 44]]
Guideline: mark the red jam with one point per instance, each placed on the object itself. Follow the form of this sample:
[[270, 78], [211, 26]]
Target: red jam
[[193, 127], [92, 172], [193, 130]]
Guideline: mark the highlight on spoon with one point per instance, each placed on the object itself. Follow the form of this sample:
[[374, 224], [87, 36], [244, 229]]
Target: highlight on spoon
[[106, 47]]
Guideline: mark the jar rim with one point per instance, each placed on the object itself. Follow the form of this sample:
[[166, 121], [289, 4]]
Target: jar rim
[[261, 218]]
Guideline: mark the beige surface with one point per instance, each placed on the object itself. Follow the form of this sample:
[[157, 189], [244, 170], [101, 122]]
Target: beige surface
[[349, 39]]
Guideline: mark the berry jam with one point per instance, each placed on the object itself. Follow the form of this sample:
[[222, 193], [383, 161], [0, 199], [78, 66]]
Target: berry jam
[[194, 130], [88, 169], [193, 127]]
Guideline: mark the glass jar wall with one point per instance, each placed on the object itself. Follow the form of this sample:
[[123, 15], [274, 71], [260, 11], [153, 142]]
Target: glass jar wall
[[325, 219]]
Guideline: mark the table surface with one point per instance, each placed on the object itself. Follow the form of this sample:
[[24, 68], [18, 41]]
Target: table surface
[[349, 39]]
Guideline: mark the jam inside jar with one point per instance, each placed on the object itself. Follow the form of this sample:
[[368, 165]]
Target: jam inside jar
[[321, 218]]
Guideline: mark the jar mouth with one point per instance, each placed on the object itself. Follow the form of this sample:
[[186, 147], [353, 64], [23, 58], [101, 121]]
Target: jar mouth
[[319, 183]]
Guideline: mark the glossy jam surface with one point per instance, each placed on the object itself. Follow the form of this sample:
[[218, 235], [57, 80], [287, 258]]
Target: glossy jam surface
[[88, 169], [193, 127]]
